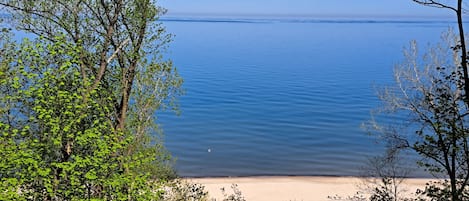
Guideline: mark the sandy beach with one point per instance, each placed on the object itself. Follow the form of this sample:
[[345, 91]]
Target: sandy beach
[[293, 188]]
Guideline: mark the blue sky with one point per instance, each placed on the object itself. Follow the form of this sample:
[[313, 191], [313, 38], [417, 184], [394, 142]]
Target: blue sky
[[341, 8]]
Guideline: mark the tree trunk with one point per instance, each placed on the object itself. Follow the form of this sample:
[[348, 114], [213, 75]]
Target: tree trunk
[[463, 51]]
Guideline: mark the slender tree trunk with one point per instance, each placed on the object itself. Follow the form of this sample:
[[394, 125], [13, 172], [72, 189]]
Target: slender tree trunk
[[463, 51], [454, 190], [454, 193], [453, 179]]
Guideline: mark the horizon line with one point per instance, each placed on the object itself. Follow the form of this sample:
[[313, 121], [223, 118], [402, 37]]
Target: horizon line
[[302, 15]]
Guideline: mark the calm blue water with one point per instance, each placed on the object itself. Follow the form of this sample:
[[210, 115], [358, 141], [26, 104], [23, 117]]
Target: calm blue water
[[270, 97]]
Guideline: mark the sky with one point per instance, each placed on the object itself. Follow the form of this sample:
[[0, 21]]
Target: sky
[[328, 8]]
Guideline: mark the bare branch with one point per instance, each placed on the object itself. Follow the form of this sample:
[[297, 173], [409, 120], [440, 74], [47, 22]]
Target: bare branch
[[122, 45], [432, 3]]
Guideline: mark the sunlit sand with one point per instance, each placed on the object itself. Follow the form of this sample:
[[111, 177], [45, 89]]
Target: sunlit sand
[[293, 188]]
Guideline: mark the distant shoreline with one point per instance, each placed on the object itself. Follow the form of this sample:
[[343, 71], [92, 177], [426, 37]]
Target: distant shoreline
[[308, 15], [247, 19], [197, 17]]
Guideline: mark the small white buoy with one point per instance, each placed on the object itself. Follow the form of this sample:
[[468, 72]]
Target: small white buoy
[[209, 150]]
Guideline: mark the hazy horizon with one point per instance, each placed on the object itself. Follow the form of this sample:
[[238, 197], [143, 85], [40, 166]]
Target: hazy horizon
[[320, 15], [304, 8], [303, 16]]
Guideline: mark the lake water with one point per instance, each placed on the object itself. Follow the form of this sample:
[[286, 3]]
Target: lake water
[[282, 97]]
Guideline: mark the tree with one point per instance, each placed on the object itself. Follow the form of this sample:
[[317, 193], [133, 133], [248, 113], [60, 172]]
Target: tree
[[431, 92], [384, 177], [459, 11], [118, 40], [434, 91], [78, 102]]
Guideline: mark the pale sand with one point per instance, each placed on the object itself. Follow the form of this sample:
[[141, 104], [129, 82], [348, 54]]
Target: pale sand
[[292, 188]]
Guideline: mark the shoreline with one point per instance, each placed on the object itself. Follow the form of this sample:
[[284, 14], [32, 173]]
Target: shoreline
[[291, 176], [300, 188]]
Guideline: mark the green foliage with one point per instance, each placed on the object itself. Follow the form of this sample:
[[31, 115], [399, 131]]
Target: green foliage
[[120, 50], [440, 190], [181, 190], [235, 196], [78, 103], [56, 145], [430, 91], [384, 192]]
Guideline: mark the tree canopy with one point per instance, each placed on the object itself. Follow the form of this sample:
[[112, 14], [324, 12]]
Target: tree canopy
[[78, 100]]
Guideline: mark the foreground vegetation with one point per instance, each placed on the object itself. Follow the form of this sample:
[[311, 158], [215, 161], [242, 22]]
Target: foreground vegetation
[[78, 98], [432, 89], [78, 101]]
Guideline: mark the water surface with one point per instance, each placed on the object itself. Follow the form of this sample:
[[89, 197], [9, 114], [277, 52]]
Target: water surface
[[273, 97]]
